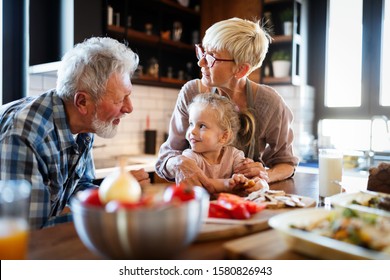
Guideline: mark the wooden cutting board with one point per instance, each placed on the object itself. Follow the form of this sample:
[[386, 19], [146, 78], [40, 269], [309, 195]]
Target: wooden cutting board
[[215, 228], [266, 245]]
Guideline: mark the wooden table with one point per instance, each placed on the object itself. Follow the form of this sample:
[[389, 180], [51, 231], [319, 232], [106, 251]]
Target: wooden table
[[62, 242]]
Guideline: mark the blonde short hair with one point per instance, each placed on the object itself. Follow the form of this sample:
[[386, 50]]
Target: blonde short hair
[[247, 41]]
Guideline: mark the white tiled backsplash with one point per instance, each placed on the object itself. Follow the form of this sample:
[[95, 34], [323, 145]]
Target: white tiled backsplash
[[301, 101], [158, 104]]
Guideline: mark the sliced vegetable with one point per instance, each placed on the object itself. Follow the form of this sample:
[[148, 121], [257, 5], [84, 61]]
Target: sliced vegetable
[[230, 206]]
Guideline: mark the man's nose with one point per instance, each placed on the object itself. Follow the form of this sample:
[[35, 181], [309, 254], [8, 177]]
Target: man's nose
[[127, 106]]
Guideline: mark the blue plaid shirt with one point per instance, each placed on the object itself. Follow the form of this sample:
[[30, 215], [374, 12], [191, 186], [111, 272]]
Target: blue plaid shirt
[[36, 144]]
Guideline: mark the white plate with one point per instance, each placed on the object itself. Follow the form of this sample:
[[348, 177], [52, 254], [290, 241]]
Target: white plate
[[344, 200], [313, 244]]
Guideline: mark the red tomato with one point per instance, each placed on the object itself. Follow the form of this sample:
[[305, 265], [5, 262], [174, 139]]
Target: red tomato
[[233, 206], [240, 211], [230, 197], [179, 192], [218, 211], [90, 197], [115, 205], [253, 207]]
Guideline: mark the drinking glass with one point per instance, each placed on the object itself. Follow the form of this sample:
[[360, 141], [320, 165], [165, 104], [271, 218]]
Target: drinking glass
[[330, 172], [14, 208]]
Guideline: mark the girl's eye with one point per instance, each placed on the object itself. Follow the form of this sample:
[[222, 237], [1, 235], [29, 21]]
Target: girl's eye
[[202, 126]]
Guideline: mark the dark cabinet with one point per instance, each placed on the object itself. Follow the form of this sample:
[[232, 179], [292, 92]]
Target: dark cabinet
[[289, 41], [163, 33], [55, 26]]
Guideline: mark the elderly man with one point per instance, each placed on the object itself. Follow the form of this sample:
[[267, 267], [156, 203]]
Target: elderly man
[[47, 140]]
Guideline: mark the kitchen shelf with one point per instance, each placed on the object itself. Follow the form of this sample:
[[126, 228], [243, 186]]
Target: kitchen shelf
[[294, 44], [158, 44], [278, 39], [132, 34], [274, 80]]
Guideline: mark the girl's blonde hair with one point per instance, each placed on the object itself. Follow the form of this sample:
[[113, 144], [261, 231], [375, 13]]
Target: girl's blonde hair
[[239, 125]]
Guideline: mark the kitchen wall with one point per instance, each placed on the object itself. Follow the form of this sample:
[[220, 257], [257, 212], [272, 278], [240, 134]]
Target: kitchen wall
[[158, 104]]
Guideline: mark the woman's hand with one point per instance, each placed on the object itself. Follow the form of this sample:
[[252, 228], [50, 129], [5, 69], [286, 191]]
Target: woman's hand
[[141, 176], [251, 169]]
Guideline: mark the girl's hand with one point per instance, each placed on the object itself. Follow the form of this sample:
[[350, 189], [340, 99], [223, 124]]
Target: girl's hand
[[251, 169], [237, 180], [188, 172], [256, 184], [249, 185]]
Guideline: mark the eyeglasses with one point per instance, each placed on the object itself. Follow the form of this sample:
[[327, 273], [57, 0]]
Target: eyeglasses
[[200, 53]]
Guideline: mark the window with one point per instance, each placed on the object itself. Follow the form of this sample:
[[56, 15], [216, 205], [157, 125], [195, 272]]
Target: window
[[357, 84], [344, 70], [1, 51], [385, 71], [357, 55]]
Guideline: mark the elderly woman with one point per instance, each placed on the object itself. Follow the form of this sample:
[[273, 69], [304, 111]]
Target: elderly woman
[[231, 49]]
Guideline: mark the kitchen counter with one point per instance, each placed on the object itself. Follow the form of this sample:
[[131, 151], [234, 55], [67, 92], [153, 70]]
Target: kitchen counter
[[105, 166]]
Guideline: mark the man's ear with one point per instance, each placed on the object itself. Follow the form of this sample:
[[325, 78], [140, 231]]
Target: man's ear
[[80, 101], [242, 70]]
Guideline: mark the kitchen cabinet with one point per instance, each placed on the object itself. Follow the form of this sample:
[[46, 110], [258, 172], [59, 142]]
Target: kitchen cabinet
[[55, 26], [162, 33], [293, 42]]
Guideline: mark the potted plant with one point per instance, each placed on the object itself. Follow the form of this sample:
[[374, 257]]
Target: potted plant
[[286, 17], [281, 63]]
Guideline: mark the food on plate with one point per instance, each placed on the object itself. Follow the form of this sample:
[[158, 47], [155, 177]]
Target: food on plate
[[249, 184], [275, 199], [362, 229], [378, 202], [120, 185], [231, 206]]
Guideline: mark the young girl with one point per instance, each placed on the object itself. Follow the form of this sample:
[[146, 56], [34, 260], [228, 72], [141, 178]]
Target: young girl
[[214, 126]]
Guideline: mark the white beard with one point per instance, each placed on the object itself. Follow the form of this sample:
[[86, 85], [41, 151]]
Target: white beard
[[103, 129]]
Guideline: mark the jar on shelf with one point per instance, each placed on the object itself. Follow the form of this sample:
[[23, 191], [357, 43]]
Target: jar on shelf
[[153, 67], [149, 28], [177, 31]]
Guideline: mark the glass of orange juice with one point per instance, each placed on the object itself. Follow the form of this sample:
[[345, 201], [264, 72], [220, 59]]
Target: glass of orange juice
[[14, 207]]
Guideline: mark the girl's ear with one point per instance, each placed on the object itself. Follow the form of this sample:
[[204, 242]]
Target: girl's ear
[[225, 137], [80, 101]]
